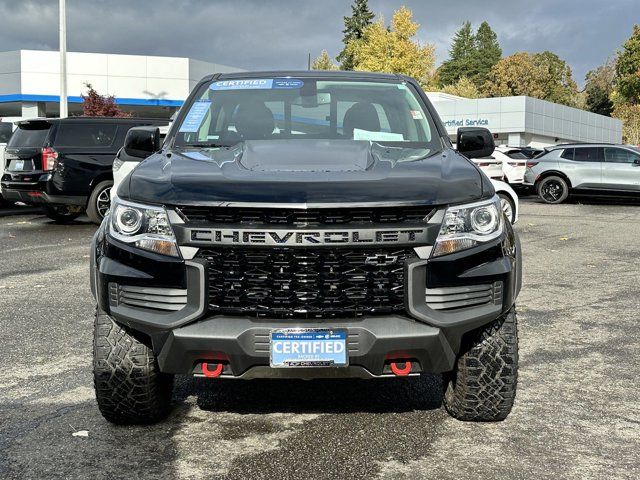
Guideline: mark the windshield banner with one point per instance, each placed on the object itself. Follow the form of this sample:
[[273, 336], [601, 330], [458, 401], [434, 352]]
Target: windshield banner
[[257, 84]]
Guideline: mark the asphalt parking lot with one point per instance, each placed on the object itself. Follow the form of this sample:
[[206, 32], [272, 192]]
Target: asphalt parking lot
[[576, 416]]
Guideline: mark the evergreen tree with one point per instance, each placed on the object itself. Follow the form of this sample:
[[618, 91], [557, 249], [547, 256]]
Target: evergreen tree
[[471, 55], [487, 54], [353, 30], [461, 56], [628, 69]]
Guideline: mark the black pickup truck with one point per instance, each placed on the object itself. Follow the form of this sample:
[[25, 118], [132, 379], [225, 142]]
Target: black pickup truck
[[64, 165], [305, 225]]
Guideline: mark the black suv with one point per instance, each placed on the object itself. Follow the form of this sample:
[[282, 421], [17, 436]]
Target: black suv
[[305, 225], [65, 164]]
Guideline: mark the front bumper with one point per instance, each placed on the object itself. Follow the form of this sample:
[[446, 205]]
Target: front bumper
[[185, 334], [242, 345]]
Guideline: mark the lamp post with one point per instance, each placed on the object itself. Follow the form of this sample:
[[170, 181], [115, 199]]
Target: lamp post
[[64, 110]]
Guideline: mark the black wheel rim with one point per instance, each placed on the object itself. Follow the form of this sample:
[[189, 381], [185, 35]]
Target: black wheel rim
[[103, 202], [551, 190]]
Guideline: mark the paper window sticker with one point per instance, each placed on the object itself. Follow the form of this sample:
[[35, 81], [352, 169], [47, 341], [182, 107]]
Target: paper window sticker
[[195, 117]]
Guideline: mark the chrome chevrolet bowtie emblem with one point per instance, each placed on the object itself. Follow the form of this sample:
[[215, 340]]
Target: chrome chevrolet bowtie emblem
[[381, 260]]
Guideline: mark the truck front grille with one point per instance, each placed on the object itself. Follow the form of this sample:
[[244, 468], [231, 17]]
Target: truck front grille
[[306, 282], [407, 215]]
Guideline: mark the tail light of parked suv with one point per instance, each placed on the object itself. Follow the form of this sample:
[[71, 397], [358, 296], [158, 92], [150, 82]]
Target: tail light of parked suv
[[49, 158], [532, 164]]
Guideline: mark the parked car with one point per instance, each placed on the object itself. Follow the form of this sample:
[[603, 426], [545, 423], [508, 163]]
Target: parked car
[[508, 200], [65, 164], [491, 166], [343, 239], [528, 152], [514, 163], [587, 168], [124, 164]]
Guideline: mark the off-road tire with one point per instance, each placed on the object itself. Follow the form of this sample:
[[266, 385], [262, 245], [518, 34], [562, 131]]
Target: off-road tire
[[562, 185], [61, 214], [97, 195], [130, 389], [483, 385]]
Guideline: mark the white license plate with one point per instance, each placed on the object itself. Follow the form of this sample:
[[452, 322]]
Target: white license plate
[[308, 348]]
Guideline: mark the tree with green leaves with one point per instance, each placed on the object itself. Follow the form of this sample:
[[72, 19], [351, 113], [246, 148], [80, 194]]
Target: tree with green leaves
[[599, 87], [323, 62], [560, 87], [628, 70], [487, 53], [354, 26], [540, 75], [461, 56], [630, 115]]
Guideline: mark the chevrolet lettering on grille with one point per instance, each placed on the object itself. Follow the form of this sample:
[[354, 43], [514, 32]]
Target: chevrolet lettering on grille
[[278, 237]]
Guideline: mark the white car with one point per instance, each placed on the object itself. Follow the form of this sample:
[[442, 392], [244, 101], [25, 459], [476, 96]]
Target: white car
[[491, 167], [508, 200], [124, 164], [514, 163]]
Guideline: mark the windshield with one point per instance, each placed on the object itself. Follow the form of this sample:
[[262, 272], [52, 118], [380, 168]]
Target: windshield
[[231, 111], [29, 135]]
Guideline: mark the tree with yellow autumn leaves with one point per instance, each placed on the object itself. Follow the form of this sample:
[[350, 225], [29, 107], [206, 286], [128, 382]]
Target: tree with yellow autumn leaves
[[394, 49]]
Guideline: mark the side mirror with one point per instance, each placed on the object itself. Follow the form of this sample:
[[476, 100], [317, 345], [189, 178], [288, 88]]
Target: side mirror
[[141, 142], [475, 142], [636, 162]]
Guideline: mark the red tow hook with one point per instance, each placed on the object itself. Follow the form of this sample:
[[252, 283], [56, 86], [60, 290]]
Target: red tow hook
[[401, 371], [212, 373]]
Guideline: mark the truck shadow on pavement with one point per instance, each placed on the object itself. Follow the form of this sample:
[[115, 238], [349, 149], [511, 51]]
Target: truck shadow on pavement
[[389, 395], [276, 429]]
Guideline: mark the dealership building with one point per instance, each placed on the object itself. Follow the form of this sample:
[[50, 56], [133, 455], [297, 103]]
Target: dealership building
[[156, 86], [143, 85], [525, 121]]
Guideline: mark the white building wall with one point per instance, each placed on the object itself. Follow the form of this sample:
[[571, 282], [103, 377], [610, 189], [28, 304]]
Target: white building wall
[[9, 73], [33, 72], [199, 69], [126, 76]]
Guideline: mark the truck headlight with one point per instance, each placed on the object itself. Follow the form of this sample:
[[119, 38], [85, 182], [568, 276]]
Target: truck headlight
[[145, 226], [466, 226]]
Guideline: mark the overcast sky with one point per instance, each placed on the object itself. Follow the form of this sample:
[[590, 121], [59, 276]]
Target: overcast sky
[[276, 34]]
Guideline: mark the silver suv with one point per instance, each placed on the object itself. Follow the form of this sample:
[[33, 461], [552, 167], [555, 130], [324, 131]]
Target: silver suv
[[589, 167]]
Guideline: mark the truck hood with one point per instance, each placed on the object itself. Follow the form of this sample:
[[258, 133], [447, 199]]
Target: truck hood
[[305, 172]]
